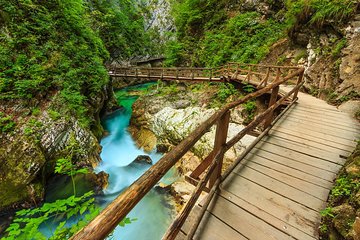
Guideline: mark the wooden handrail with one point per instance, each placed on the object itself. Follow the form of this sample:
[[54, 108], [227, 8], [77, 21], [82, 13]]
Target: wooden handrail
[[110, 217]]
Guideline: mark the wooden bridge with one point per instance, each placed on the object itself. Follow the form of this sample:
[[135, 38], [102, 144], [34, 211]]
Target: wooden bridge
[[275, 189]]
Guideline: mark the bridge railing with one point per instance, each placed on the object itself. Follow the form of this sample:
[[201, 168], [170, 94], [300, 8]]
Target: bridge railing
[[181, 74], [208, 174]]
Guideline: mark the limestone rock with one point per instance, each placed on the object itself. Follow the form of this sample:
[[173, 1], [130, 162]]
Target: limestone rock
[[143, 159], [352, 107], [350, 66], [356, 229], [343, 213], [21, 162], [144, 138]]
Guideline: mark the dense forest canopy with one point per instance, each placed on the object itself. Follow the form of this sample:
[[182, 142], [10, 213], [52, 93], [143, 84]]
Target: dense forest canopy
[[52, 46], [211, 33]]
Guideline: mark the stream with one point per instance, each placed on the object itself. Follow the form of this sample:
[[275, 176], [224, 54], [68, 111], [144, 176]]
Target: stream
[[154, 212]]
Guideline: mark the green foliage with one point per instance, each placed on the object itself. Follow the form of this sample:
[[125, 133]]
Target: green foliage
[[27, 223], [6, 123], [48, 46], [243, 38], [338, 47], [54, 115], [167, 90], [121, 27], [127, 221], [317, 12], [327, 212], [248, 88], [344, 186], [225, 90], [249, 109], [65, 166], [36, 111]]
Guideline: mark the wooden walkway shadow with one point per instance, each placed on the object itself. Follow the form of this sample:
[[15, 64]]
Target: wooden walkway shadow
[[278, 190]]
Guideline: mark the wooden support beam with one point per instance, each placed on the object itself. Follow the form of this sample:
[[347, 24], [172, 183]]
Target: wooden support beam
[[273, 98], [222, 128], [300, 78], [180, 219]]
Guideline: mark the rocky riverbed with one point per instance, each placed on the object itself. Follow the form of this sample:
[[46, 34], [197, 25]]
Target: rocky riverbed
[[169, 113]]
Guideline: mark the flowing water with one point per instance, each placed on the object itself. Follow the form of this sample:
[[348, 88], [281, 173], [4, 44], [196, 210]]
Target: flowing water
[[153, 213]]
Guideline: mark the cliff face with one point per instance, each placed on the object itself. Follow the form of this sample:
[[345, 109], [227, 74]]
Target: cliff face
[[29, 152]]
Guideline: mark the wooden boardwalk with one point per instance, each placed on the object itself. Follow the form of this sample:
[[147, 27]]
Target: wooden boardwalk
[[278, 190]]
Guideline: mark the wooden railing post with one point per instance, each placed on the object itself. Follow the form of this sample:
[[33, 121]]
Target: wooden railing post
[[177, 74], [273, 98], [220, 144], [136, 72], [300, 78]]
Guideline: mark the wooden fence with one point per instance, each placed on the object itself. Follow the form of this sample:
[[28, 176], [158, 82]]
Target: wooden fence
[[211, 166]]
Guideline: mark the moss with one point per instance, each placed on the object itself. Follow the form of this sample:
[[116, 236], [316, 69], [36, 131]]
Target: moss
[[339, 216], [22, 160]]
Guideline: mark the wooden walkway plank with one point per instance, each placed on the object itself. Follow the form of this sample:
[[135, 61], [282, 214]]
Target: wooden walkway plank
[[305, 149], [212, 228], [323, 145], [281, 188], [310, 188], [322, 125], [316, 134], [254, 160], [324, 122], [294, 213], [321, 119], [300, 157], [339, 117], [350, 136], [328, 141], [248, 224], [313, 171], [267, 217]]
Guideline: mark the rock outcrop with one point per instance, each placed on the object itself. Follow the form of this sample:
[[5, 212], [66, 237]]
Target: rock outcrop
[[143, 159], [28, 153]]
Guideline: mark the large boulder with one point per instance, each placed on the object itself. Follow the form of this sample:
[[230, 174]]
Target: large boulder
[[174, 125], [143, 159], [21, 162]]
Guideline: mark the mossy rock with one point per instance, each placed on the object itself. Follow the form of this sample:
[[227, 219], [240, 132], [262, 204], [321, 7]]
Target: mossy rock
[[344, 219], [21, 162]]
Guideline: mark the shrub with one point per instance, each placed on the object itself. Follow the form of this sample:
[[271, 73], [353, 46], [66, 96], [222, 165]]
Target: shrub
[[6, 123]]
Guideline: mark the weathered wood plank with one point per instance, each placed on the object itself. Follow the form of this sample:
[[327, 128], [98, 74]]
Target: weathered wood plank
[[329, 141], [254, 160], [314, 118], [305, 149], [323, 145], [311, 170], [214, 229], [244, 222], [300, 157], [281, 224], [332, 127], [315, 190], [326, 114], [350, 136], [281, 188], [294, 213]]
